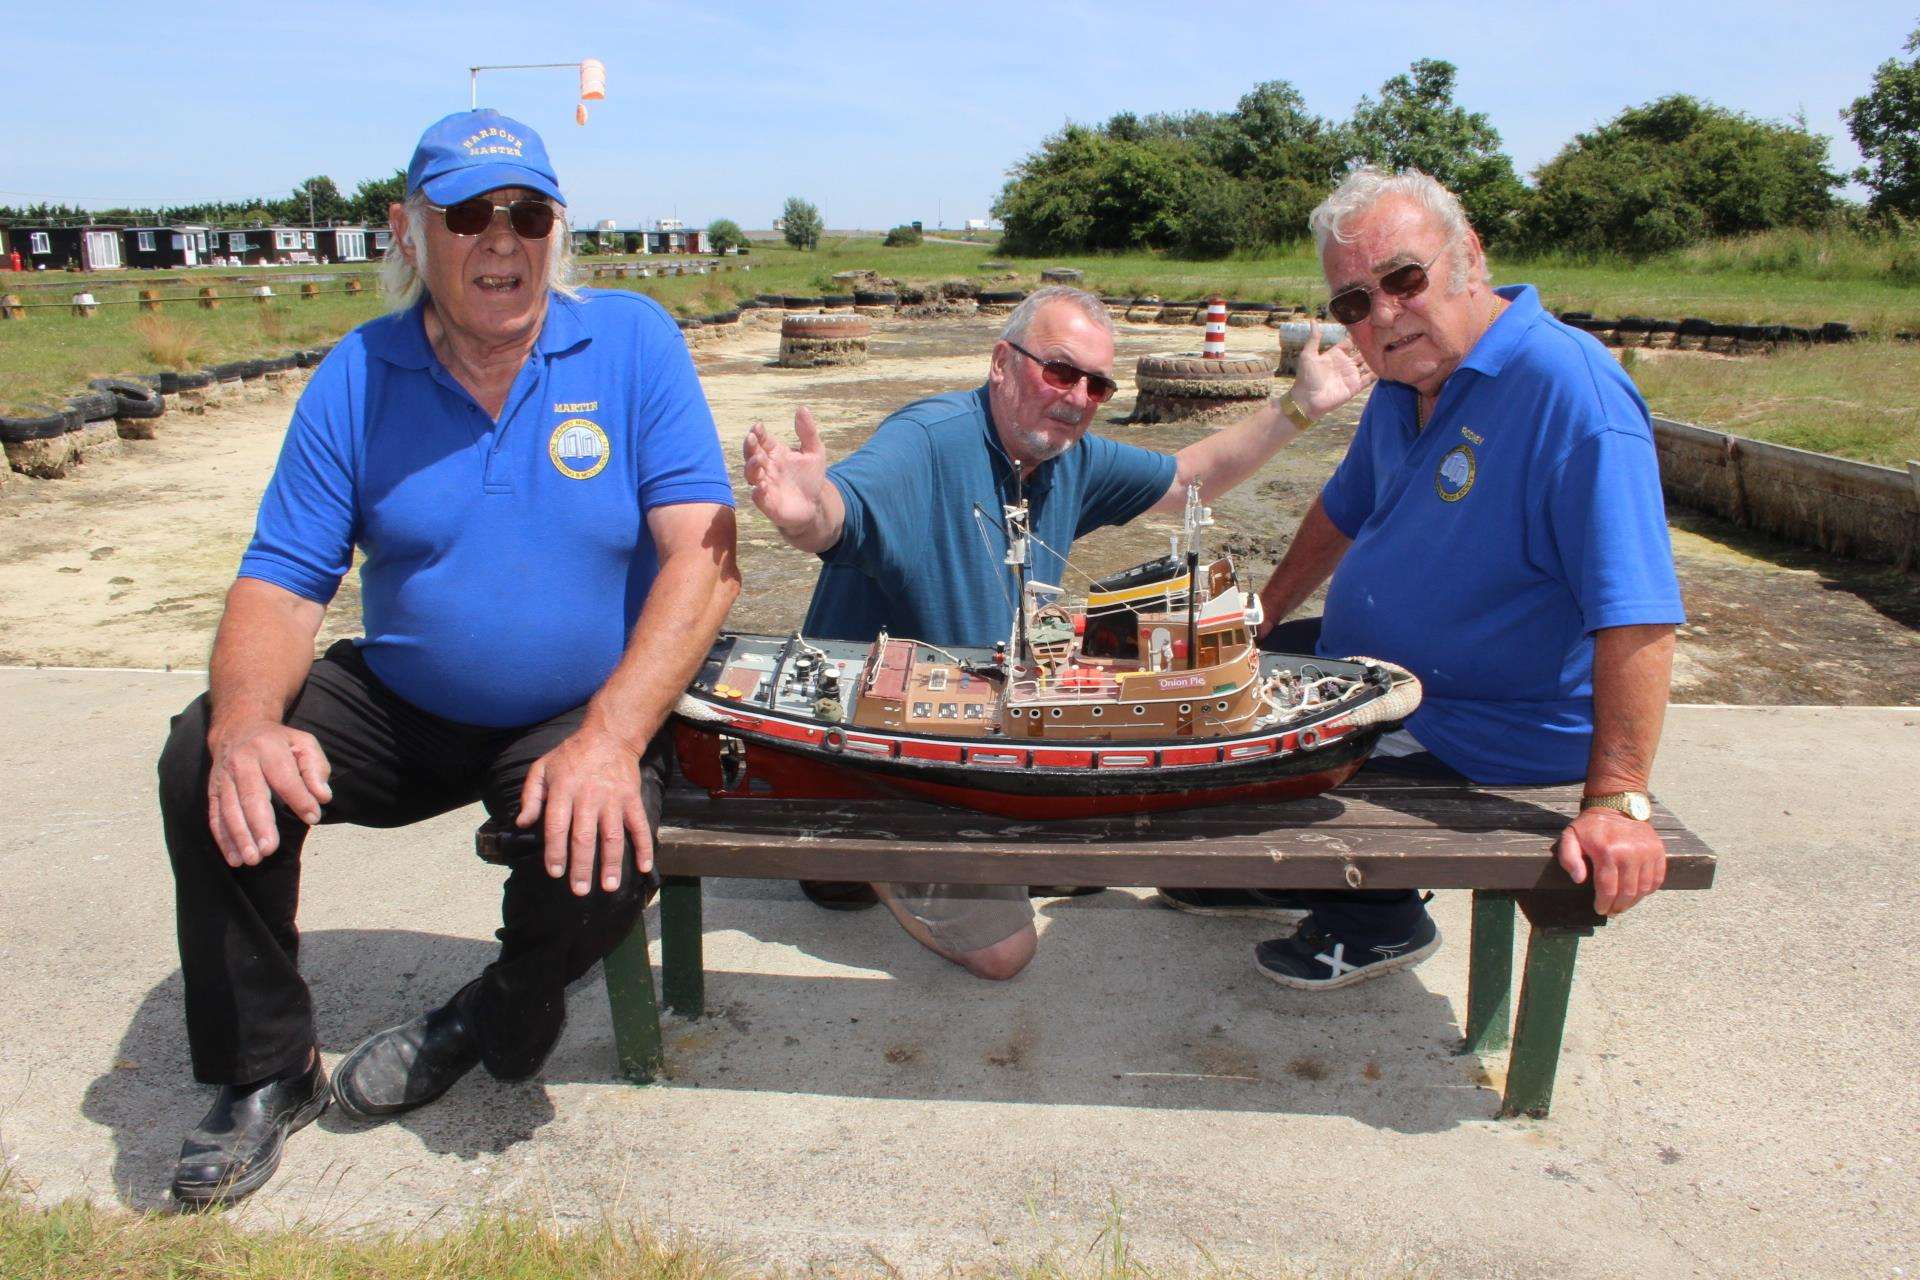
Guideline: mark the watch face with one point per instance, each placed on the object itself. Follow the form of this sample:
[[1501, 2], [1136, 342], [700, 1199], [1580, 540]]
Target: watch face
[[1637, 806]]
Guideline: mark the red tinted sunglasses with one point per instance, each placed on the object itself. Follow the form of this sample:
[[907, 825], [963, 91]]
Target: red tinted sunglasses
[[1062, 376], [530, 218], [1351, 306]]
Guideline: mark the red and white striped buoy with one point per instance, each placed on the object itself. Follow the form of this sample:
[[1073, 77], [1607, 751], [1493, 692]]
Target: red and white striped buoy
[[1215, 347]]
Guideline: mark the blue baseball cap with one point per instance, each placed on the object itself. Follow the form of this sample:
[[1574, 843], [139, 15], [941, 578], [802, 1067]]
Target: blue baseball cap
[[470, 152]]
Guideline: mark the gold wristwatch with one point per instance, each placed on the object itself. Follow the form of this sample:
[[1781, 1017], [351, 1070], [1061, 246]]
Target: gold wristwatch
[[1637, 805]]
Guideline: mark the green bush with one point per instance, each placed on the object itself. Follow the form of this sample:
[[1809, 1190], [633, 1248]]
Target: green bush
[[801, 224], [905, 236], [1676, 171], [724, 234]]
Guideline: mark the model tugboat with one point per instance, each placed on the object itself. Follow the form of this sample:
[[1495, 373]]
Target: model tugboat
[[1150, 694]]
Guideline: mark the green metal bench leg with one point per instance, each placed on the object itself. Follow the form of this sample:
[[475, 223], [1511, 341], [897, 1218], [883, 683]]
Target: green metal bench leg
[[1489, 972], [636, 1017], [1542, 1022], [683, 975]]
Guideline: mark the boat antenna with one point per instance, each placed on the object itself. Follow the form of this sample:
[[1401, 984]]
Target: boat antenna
[[1018, 555]]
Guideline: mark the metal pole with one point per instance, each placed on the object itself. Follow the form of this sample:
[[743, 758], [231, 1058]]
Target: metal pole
[[473, 75]]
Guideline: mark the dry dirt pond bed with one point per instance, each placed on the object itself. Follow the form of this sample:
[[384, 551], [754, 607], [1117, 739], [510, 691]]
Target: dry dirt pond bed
[[125, 564]]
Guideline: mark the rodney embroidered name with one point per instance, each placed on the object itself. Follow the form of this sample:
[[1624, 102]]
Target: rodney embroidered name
[[578, 406]]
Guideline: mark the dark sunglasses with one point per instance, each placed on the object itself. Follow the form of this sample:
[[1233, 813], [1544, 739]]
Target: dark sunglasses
[[531, 218], [1351, 306], [1062, 376]]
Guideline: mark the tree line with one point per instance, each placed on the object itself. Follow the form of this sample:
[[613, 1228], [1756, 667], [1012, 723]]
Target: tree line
[[1654, 178]]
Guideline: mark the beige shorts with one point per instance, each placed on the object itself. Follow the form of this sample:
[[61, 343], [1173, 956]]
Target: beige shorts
[[966, 917]]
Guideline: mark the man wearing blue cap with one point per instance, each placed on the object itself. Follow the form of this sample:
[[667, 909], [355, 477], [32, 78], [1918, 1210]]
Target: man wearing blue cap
[[534, 481]]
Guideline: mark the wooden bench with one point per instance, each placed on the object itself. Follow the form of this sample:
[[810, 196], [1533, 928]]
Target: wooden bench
[[1379, 831]]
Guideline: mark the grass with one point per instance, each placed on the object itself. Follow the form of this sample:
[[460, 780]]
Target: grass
[[1798, 277], [36, 286], [1779, 278], [78, 1241], [51, 355], [1857, 400]]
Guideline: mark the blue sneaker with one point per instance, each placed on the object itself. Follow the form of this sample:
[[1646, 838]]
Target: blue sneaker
[[1279, 905], [1314, 960]]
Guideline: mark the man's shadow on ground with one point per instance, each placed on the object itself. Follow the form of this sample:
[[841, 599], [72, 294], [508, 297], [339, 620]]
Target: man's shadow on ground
[[363, 981]]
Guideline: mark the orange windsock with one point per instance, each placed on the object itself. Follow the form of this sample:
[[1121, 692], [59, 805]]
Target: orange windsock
[[593, 80]]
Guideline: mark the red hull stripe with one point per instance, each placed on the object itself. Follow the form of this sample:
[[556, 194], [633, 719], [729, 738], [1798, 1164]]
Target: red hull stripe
[[1190, 755], [1054, 758]]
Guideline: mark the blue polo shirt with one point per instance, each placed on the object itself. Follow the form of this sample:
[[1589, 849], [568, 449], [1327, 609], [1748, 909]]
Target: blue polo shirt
[[912, 559], [504, 562], [1488, 548]]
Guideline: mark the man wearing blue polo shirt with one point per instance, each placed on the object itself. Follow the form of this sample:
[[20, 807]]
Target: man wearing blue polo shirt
[[894, 524], [533, 479], [1497, 528]]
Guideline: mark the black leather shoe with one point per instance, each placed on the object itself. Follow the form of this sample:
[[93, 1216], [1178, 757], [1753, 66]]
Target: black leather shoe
[[840, 895], [410, 1065], [238, 1142]]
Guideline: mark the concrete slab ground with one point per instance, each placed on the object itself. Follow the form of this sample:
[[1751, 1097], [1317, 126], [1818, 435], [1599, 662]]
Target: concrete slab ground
[[1737, 1095]]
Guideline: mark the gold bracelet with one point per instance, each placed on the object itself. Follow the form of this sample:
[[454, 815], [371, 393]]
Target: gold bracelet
[[1295, 414]]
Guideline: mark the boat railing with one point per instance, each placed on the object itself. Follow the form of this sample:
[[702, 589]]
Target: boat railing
[[1075, 688]]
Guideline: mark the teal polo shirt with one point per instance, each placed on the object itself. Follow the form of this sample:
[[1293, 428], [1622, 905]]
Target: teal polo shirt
[[504, 562], [914, 560]]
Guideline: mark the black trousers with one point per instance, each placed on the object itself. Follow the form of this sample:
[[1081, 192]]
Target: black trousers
[[1359, 916], [249, 1013]]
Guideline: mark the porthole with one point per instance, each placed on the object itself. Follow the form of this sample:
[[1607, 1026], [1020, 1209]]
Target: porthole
[[1220, 705], [1186, 708], [1055, 713], [1015, 712], [1139, 710], [1098, 712]]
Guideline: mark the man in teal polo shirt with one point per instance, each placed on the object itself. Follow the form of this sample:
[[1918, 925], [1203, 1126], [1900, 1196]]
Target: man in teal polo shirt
[[894, 525], [533, 479]]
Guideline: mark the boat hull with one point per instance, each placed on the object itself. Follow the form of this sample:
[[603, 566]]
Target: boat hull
[[770, 768], [764, 743]]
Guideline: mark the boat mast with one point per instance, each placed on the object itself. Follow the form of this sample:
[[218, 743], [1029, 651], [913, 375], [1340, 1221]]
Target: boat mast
[[1018, 555], [1196, 518]]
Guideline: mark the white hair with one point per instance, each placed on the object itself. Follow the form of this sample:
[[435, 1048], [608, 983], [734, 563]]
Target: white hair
[[1022, 318], [1367, 186], [403, 279]]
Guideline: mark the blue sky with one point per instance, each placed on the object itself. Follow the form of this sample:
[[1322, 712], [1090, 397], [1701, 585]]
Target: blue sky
[[879, 113]]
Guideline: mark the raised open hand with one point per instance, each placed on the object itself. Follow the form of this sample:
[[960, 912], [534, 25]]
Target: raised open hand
[[1325, 380], [787, 481]]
